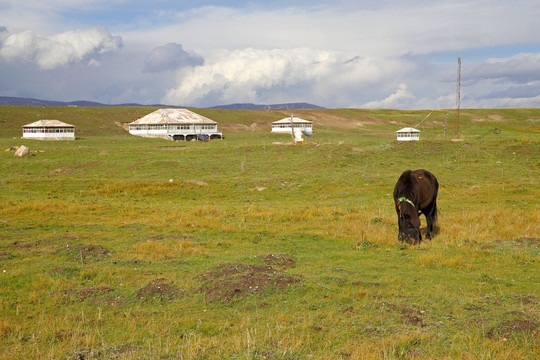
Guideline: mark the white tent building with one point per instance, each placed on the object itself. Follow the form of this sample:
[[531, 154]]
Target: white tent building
[[286, 125], [49, 130], [176, 124], [408, 134]]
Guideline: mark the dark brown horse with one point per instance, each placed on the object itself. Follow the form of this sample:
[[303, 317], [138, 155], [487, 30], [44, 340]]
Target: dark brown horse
[[415, 193]]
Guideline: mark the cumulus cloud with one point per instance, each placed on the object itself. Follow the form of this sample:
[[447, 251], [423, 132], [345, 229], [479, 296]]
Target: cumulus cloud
[[395, 100], [170, 57], [70, 47], [243, 75]]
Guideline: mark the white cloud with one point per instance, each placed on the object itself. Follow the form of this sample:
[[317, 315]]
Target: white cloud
[[70, 47], [401, 97], [244, 75], [341, 53]]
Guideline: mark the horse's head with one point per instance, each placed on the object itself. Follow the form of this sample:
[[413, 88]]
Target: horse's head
[[410, 220]]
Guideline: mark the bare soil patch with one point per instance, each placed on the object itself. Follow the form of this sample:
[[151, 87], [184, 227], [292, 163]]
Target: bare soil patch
[[159, 289], [108, 301], [529, 241], [125, 349], [283, 261], [526, 299], [509, 327], [227, 281], [416, 352], [366, 283], [121, 352], [25, 245], [90, 252], [60, 171], [173, 237], [409, 315], [5, 255]]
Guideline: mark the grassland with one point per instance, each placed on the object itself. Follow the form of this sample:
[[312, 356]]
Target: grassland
[[118, 247]]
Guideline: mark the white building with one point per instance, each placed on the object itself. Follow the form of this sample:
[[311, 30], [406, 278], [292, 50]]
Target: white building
[[408, 134], [49, 130], [176, 124], [286, 125]]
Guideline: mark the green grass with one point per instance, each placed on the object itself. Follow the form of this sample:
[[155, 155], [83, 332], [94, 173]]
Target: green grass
[[86, 225]]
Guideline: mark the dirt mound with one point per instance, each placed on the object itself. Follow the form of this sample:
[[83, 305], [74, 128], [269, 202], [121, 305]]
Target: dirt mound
[[94, 250], [159, 289], [507, 328], [411, 316], [526, 299], [227, 281], [283, 261], [90, 252]]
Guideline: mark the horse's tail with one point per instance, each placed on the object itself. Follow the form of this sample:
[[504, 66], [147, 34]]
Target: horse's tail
[[435, 209]]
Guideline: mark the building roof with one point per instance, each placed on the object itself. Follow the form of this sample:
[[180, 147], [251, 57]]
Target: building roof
[[408, 130], [172, 116], [295, 120], [48, 123]]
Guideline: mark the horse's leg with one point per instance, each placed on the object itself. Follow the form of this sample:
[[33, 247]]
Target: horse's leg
[[429, 219], [429, 232], [400, 226]]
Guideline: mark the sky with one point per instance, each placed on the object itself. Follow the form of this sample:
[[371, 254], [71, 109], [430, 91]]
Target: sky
[[336, 54]]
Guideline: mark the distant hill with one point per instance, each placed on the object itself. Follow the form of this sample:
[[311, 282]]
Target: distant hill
[[18, 101], [249, 106], [6, 100]]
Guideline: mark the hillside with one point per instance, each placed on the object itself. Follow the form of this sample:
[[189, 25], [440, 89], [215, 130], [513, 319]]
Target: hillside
[[109, 120]]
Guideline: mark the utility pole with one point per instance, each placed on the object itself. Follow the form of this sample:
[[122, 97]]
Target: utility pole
[[458, 93]]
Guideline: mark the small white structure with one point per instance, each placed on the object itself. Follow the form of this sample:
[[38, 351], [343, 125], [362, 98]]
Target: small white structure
[[298, 139], [408, 134], [286, 125], [49, 130], [176, 124]]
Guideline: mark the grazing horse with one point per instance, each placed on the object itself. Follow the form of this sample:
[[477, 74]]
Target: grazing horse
[[415, 193]]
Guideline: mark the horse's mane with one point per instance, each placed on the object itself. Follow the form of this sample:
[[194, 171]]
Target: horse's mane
[[407, 183]]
